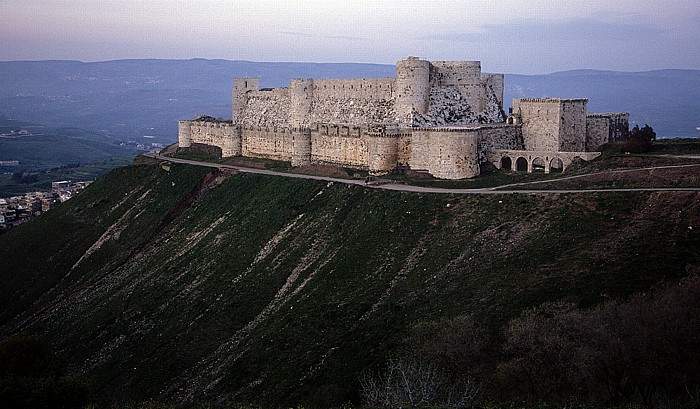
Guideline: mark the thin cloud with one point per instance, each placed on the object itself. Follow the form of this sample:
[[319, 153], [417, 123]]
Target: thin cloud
[[545, 31], [338, 37], [296, 34]]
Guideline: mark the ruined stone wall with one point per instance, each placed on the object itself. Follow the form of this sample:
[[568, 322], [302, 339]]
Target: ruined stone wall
[[461, 95], [465, 76], [351, 101], [447, 108], [225, 135], [497, 84], [269, 143], [597, 131], [271, 109], [572, 126], [340, 145], [351, 111]]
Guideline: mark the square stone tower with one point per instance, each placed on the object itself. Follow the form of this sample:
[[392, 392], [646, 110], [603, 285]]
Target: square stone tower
[[552, 124]]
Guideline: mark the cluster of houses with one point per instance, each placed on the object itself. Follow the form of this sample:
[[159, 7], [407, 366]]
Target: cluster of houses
[[20, 209]]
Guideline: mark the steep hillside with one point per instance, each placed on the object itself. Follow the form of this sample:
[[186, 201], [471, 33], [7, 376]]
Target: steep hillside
[[180, 283]]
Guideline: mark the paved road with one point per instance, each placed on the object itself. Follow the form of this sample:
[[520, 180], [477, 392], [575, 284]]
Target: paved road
[[423, 189]]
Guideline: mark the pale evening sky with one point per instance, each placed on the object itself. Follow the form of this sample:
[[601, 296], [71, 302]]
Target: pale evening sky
[[525, 36]]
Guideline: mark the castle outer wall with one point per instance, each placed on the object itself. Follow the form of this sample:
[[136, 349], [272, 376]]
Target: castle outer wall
[[442, 117]]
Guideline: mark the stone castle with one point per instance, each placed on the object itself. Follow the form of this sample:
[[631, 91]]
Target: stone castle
[[442, 117]]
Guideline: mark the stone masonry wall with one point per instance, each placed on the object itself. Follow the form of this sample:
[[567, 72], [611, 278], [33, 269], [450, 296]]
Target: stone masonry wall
[[618, 124], [447, 153], [499, 137], [225, 135], [597, 131], [383, 150], [340, 146], [465, 76], [267, 143], [497, 83], [572, 125], [356, 111], [239, 94], [540, 118], [184, 134], [413, 84], [361, 88]]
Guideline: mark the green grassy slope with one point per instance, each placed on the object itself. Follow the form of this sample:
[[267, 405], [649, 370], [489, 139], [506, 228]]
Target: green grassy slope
[[189, 285]]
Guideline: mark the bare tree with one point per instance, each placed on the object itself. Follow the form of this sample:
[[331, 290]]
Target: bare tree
[[415, 384]]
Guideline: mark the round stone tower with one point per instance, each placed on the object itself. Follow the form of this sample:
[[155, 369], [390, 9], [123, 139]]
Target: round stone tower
[[301, 146], [184, 134], [412, 88], [301, 95]]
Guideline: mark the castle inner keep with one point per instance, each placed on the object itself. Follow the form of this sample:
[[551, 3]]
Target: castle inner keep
[[441, 117]]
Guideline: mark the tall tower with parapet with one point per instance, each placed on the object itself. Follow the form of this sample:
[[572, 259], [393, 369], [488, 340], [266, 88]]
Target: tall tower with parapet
[[301, 95], [238, 96], [412, 89], [465, 76]]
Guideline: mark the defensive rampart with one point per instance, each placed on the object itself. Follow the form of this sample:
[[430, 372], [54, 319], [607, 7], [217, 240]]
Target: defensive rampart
[[223, 134], [446, 153], [442, 117]]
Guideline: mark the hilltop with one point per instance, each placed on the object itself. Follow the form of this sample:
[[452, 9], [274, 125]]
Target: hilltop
[[178, 283]]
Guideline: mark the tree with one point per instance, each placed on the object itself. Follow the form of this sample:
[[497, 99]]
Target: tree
[[639, 140]]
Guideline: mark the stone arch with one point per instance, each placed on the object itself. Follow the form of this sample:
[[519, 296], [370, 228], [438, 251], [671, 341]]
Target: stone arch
[[506, 163], [521, 164], [538, 165], [556, 165]]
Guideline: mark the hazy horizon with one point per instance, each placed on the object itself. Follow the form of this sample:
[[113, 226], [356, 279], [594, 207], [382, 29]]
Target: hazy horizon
[[539, 36]]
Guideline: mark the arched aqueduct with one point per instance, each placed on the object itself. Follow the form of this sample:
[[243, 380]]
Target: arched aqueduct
[[533, 161]]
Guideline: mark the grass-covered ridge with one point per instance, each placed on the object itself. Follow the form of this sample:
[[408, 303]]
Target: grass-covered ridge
[[183, 283]]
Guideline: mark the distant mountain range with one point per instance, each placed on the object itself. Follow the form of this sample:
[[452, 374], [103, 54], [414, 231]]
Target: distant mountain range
[[130, 99]]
